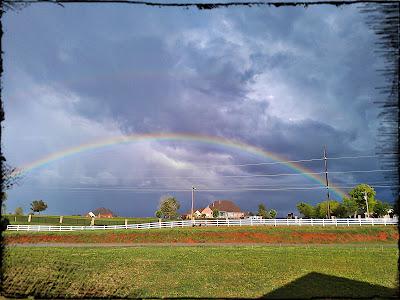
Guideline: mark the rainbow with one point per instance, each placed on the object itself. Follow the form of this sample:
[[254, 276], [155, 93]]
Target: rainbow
[[134, 138]]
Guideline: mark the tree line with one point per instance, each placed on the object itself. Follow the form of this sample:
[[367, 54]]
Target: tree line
[[352, 205]]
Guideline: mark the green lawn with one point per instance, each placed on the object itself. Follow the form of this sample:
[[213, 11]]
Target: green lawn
[[336, 271], [74, 220]]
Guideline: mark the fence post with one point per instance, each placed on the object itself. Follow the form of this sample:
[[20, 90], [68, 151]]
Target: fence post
[[372, 220], [287, 222], [300, 222], [348, 223], [359, 219], [251, 222], [61, 219], [227, 220], [384, 221], [29, 218], [336, 222], [323, 222], [240, 222], [275, 222]]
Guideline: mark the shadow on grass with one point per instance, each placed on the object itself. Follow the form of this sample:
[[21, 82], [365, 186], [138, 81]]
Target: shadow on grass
[[320, 286]]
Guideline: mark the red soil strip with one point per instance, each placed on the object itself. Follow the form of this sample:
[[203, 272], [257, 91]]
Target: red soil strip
[[295, 237]]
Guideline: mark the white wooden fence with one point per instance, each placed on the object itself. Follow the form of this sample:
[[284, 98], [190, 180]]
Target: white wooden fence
[[216, 222]]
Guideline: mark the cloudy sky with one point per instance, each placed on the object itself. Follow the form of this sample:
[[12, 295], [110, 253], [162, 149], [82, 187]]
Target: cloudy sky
[[286, 80]]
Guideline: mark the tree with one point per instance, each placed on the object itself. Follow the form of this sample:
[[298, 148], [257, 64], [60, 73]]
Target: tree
[[350, 206], [307, 210], [38, 206], [19, 211], [340, 211], [272, 213], [215, 213], [159, 214], [169, 207], [10, 178], [381, 209], [357, 195], [262, 211], [321, 209]]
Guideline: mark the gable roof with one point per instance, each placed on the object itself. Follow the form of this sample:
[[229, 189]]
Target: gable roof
[[194, 210], [225, 205], [103, 211]]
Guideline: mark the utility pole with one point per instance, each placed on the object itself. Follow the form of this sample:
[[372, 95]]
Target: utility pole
[[193, 189], [327, 182], [366, 202]]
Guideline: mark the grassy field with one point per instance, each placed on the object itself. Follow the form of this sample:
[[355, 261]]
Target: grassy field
[[74, 220], [245, 234], [281, 272]]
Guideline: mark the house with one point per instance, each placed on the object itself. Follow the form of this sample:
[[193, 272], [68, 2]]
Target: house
[[207, 212], [103, 212], [227, 209], [196, 213]]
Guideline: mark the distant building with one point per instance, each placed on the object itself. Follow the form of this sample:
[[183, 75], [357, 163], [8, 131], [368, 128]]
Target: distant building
[[207, 212], [91, 214], [196, 214], [103, 212], [227, 209]]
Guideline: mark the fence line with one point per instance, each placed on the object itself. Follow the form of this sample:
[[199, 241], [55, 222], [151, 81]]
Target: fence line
[[217, 222]]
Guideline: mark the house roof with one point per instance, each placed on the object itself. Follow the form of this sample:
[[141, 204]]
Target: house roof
[[225, 205], [103, 211], [194, 210]]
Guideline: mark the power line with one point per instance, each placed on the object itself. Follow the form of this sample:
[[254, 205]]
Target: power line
[[257, 175], [267, 163], [289, 186], [267, 175], [209, 190]]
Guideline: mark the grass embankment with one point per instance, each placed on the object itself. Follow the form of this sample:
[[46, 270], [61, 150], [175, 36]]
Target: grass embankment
[[73, 220], [245, 234], [282, 272]]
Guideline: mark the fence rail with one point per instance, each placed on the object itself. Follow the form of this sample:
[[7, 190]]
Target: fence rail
[[216, 222]]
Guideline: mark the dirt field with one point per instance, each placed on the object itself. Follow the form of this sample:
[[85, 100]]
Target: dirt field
[[231, 235]]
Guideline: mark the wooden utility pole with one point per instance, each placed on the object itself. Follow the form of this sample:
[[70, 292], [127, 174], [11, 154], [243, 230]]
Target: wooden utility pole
[[193, 188], [327, 182]]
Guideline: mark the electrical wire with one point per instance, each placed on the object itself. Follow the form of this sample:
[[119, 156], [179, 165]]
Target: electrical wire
[[267, 175], [209, 190]]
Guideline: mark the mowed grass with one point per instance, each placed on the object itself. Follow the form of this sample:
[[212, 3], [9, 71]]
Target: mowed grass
[[211, 272], [74, 220], [245, 234]]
